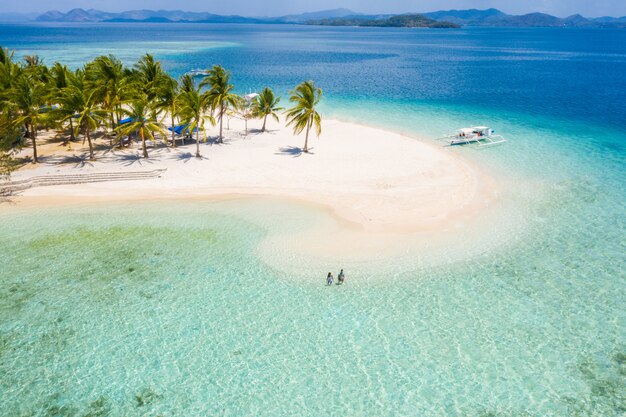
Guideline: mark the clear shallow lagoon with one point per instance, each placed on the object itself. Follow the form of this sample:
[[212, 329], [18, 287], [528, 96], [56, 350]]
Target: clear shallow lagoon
[[168, 309]]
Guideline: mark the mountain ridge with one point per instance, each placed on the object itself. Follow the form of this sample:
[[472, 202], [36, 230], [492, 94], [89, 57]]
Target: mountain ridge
[[92, 15], [337, 17]]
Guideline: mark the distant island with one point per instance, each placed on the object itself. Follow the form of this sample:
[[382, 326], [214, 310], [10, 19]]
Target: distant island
[[180, 16], [400, 21], [471, 17], [336, 17]]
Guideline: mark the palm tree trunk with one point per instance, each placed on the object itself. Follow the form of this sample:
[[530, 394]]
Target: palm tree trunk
[[173, 133], [306, 140], [110, 134], [221, 120], [197, 141], [88, 136], [32, 137], [117, 123], [143, 145], [264, 121], [72, 137]]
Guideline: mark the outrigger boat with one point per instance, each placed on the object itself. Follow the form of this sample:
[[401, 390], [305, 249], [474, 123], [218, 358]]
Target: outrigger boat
[[481, 135], [197, 73]]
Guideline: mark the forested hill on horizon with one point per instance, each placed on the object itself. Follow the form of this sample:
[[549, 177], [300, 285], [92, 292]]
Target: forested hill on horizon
[[335, 17]]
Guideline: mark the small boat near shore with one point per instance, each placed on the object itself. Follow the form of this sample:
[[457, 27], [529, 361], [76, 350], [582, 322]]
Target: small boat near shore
[[197, 72], [483, 136]]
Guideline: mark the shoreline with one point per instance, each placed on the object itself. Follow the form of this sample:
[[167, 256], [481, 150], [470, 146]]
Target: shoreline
[[378, 187]]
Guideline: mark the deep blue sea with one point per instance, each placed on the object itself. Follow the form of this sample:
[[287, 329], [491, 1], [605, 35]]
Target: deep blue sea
[[534, 326]]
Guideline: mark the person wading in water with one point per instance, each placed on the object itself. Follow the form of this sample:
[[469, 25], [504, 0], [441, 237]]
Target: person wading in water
[[341, 277]]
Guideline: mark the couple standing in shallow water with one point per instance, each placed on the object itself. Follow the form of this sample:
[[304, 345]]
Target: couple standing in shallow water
[[340, 278]]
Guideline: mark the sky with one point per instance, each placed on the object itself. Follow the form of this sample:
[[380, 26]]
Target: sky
[[562, 8]]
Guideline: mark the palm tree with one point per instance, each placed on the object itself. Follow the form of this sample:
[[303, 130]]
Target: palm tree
[[167, 98], [148, 73], [187, 83], [77, 100], [266, 104], [27, 97], [9, 70], [10, 134], [5, 55], [220, 93], [33, 61], [245, 111], [36, 68], [303, 114], [110, 83], [142, 122], [192, 108], [60, 79]]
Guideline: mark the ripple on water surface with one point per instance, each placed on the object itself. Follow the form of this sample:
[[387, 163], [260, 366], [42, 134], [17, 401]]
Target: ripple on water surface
[[141, 309]]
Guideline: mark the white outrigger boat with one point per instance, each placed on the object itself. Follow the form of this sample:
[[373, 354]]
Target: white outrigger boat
[[197, 73], [481, 135]]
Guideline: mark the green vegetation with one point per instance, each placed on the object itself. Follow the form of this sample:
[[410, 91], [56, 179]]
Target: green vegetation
[[7, 165], [193, 108], [303, 114], [167, 101], [220, 94], [265, 105], [78, 102], [106, 96], [399, 21], [142, 123], [10, 135]]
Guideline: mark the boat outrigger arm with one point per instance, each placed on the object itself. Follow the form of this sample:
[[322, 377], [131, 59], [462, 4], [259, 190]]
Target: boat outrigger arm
[[482, 136]]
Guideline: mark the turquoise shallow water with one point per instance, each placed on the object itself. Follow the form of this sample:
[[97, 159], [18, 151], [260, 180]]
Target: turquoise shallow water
[[170, 309], [143, 310]]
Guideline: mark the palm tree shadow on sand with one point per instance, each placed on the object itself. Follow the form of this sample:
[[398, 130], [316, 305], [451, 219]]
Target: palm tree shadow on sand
[[256, 132], [215, 141], [186, 157], [293, 151], [78, 160], [132, 159]]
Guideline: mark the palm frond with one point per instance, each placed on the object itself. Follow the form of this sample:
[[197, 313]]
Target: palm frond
[[305, 97]]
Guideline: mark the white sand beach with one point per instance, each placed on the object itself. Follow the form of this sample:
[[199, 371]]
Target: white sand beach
[[369, 180]]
